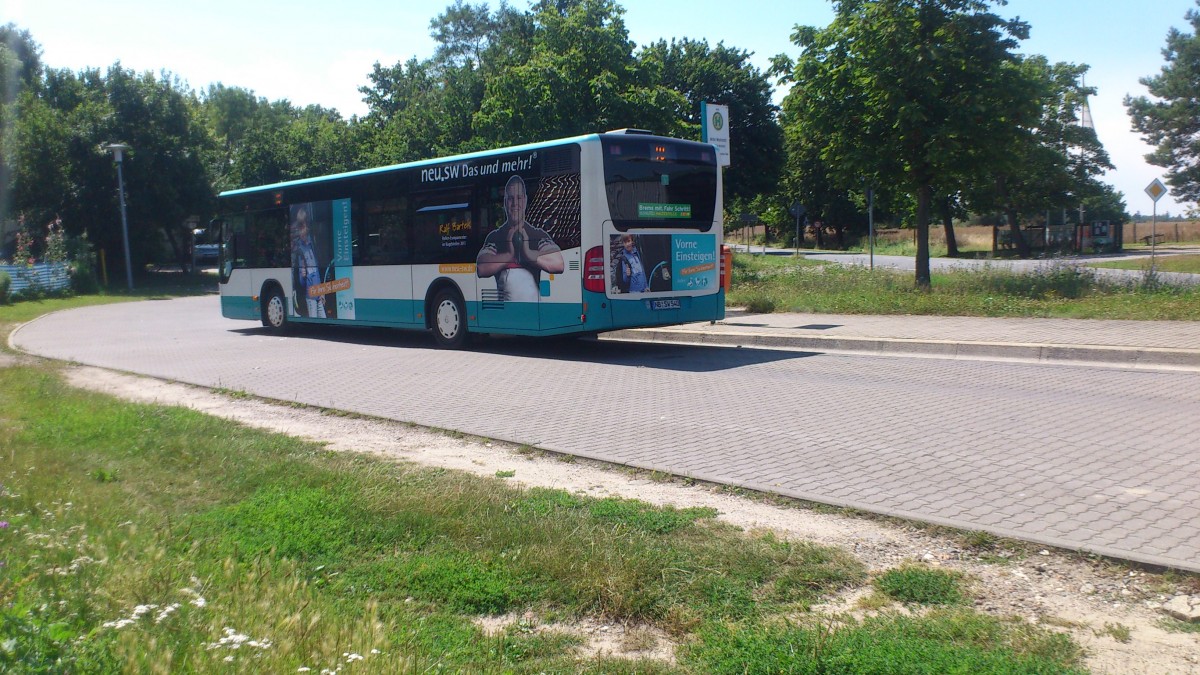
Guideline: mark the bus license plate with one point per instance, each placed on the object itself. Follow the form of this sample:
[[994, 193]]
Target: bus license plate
[[671, 303]]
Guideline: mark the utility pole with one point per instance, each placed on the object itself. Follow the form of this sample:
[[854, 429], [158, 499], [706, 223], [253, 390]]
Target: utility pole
[[117, 149]]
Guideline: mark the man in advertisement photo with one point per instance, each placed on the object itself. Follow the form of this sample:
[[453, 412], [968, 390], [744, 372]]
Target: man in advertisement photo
[[518, 252]]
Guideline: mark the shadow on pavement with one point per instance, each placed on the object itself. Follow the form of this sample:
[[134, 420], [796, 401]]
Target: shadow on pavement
[[665, 356]]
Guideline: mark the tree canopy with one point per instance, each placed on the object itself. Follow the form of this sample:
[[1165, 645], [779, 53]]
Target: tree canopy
[[1171, 120], [908, 94]]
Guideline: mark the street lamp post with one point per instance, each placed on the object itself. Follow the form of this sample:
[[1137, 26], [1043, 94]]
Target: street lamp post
[[118, 149]]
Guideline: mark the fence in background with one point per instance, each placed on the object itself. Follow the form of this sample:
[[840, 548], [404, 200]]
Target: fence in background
[[45, 276]]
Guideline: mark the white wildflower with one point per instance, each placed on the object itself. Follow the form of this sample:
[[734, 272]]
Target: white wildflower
[[197, 599], [142, 609], [166, 612], [351, 658], [235, 640]]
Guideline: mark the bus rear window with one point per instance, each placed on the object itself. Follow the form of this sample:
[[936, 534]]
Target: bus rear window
[[658, 183]]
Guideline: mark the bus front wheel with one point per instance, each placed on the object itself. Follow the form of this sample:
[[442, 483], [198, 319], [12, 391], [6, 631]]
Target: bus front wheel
[[274, 311], [449, 320]]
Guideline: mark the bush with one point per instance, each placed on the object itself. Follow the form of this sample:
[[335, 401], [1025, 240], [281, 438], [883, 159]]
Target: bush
[[5, 287], [83, 276], [83, 265]]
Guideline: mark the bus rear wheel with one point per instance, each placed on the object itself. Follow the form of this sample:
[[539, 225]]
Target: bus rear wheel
[[274, 311], [449, 320]]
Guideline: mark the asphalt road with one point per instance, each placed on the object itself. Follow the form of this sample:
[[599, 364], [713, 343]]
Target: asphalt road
[[1101, 460]]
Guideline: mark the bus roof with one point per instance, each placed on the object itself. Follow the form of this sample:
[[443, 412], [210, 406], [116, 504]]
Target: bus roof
[[408, 165]]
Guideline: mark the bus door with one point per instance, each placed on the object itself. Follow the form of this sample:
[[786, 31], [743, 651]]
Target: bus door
[[561, 298]]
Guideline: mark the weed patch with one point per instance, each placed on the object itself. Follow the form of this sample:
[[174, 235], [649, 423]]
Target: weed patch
[[951, 642], [921, 585]]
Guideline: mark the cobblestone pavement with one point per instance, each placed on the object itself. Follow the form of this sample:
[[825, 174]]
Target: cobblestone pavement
[[1099, 459]]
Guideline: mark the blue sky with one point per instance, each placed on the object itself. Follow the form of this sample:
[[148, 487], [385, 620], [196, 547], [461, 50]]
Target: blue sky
[[321, 52]]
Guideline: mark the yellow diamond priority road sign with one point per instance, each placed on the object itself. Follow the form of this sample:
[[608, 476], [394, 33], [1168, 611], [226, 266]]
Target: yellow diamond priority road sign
[[1156, 190]]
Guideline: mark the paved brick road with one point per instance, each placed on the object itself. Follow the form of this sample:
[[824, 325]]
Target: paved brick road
[[1102, 460]]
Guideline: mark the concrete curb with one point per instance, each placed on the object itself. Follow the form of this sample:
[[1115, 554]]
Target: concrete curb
[[1151, 358]]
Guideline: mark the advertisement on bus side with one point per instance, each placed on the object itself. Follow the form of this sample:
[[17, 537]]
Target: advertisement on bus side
[[322, 277]]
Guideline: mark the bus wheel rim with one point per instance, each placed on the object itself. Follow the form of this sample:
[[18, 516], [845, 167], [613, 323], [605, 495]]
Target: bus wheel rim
[[447, 319], [275, 310]]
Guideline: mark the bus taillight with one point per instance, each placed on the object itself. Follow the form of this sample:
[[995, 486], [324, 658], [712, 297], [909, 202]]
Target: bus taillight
[[594, 269]]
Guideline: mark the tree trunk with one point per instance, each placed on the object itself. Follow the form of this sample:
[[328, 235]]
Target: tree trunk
[[922, 262], [1010, 213], [181, 253], [1014, 229], [948, 225]]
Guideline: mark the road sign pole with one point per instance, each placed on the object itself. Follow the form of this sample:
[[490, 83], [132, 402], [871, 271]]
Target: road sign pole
[[871, 224], [796, 241], [1156, 190], [1153, 234], [797, 210]]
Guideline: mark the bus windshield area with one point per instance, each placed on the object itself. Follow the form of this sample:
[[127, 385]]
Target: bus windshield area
[[659, 183]]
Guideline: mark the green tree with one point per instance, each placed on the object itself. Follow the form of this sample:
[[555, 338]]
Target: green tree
[[317, 142], [829, 203], [1055, 162], [420, 109], [899, 92], [20, 72], [725, 75], [1171, 120], [465, 32], [20, 62], [257, 142], [62, 168], [1103, 202], [580, 76], [166, 178], [40, 141], [406, 119]]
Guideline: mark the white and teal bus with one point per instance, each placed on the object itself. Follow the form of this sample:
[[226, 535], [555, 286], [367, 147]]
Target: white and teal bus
[[574, 236]]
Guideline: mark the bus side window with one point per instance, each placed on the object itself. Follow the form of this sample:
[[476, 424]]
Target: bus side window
[[385, 232], [442, 227], [269, 244]]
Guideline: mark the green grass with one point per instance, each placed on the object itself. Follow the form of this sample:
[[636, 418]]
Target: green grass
[[783, 284], [1173, 625], [947, 641], [1188, 263], [145, 538], [921, 585], [139, 538]]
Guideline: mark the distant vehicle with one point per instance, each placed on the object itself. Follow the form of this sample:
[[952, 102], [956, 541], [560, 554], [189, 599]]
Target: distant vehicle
[[573, 236], [207, 253]]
